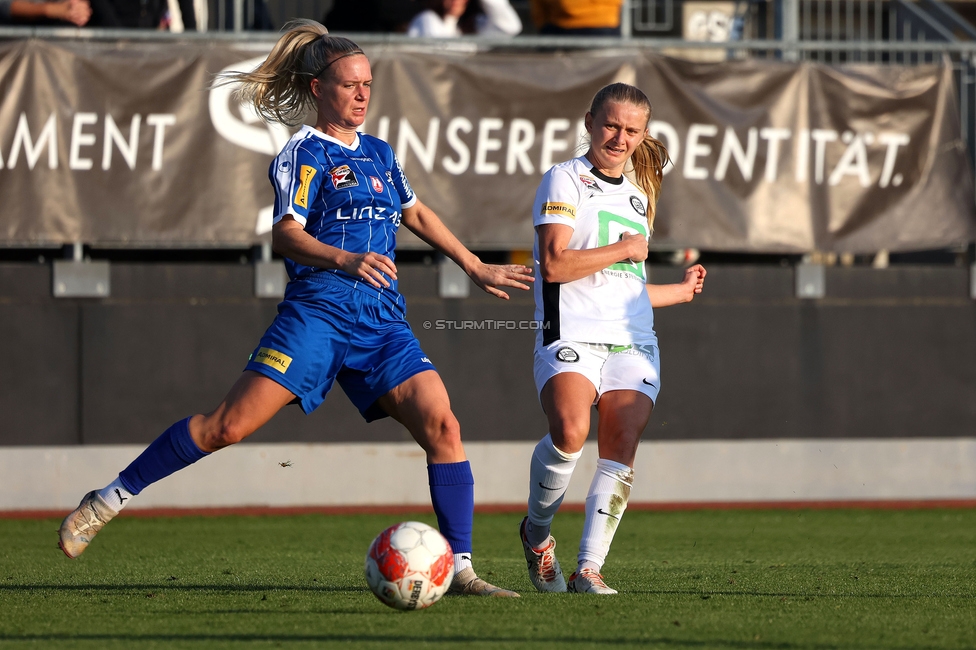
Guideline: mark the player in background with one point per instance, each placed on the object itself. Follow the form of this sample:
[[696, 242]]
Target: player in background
[[597, 345], [339, 198]]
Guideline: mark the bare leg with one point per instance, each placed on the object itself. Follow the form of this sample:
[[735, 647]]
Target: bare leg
[[421, 404], [251, 402]]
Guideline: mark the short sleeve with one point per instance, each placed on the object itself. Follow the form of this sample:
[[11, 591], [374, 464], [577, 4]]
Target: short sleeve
[[557, 199], [402, 185], [296, 176]]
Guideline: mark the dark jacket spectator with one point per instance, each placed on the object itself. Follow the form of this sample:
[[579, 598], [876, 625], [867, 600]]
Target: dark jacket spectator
[[371, 15], [144, 14]]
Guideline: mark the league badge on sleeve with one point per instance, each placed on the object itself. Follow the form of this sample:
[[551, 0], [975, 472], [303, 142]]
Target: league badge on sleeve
[[343, 177], [377, 184]]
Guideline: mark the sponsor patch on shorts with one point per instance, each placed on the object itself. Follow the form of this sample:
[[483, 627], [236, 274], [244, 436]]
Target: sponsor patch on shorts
[[273, 358], [567, 355]]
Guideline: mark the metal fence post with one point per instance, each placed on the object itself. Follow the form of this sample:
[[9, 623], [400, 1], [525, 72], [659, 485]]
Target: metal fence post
[[626, 20], [790, 21]]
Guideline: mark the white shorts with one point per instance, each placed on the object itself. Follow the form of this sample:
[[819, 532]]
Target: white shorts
[[608, 367]]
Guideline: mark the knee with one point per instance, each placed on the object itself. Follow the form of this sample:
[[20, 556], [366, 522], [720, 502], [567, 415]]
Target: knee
[[445, 429], [569, 433], [443, 438], [217, 433]]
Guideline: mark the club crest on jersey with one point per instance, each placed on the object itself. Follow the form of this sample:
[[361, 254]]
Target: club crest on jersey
[[343, 177], [377, 184], [567, 355], [638, 206], [590, 183]]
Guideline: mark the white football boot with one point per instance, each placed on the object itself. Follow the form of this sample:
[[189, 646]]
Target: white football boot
[[588, 581], [544, 571], [79, 527]]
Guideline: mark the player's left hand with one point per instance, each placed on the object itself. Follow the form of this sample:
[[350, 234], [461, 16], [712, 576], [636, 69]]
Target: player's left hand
[[491, 276], [694, 279]]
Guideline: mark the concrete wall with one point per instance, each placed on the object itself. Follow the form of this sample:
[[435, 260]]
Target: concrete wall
[[867, 394], [888, 354], [394, 474]]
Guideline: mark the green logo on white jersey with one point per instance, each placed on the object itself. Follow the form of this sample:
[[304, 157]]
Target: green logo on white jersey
[[612, 228]]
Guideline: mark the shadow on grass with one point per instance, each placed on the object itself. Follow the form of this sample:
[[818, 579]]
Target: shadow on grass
[[524, 641], [175, 585], [787, 594]]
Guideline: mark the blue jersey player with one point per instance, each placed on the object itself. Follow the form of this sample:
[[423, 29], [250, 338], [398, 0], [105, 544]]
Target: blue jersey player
[[340, 197]]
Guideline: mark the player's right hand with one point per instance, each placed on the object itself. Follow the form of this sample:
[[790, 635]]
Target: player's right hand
[[372, 267], [635, 247]]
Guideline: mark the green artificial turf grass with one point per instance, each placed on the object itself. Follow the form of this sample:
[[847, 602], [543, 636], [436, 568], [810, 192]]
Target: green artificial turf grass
[[702, 579]]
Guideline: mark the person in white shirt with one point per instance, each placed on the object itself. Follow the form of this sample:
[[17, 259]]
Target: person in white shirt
[[596, 345], [452, 18]]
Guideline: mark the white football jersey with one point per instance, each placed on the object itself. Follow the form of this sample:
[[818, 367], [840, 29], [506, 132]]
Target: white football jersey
[[612, 305]]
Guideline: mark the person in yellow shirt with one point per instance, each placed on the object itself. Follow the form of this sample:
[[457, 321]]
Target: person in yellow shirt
[[577, 17]]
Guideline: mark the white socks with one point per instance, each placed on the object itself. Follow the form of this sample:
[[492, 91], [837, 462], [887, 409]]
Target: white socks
[[549, 475], [605, 505], [115, 495], [462, 561]]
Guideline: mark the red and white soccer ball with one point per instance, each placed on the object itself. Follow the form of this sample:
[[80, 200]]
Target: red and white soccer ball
[[409, 566]]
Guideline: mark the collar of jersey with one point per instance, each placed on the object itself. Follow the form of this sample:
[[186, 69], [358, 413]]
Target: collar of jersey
[[318, 134]]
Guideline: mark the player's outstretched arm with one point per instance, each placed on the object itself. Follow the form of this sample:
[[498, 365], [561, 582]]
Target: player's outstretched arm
[[665, 295], [424, 223], [290, 240]]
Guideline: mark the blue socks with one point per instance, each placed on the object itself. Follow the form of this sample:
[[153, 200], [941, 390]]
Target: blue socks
[[169, 453], [452, 494]]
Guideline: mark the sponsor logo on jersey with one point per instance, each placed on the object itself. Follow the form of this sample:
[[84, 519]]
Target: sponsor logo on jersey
[[363, 159], [638, 206], [561, 209], [343, 177], [590, 183], [389, 177], [284, 166], [567, 355], [377, 184], [301, 195], [273, 358]]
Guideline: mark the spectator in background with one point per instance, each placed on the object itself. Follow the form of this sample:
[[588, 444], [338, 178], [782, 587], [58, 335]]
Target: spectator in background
[[449, 18], [138, 14], [371, 15], [75, 12], [577, 17], [181, 16]]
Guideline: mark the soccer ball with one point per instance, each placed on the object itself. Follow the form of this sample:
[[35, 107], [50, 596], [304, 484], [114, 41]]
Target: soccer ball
[[409, 566]]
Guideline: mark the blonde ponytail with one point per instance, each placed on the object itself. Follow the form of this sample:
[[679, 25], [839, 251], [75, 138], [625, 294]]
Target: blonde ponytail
[[280, 88], [648, 161]]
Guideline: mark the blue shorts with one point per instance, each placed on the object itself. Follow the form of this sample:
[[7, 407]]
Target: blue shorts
[[327, 330]]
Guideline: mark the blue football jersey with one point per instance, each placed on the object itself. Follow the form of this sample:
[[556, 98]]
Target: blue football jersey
[[347, 196]]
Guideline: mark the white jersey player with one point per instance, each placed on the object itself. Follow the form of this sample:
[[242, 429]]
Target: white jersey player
[[596, 345]]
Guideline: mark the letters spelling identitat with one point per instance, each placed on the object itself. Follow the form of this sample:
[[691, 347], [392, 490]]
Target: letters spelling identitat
[[491, 146]]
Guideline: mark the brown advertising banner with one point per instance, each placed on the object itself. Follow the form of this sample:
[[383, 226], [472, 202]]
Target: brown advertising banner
[[126, 144]]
